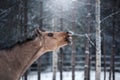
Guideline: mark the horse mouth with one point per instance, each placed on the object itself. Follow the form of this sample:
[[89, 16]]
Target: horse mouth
[[69, 38]]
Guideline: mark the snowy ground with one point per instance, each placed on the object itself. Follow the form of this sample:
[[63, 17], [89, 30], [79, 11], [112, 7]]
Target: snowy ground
[[79, 75]]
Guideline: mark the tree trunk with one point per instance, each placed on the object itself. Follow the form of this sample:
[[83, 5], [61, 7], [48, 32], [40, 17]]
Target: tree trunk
[[112, 73], [73, 55], [87, 53], [73, 61], [21, 21], [61, 64], [112, 65], [73, 45], [25, 2], [87, 44], [55, 57], [26, 75], [104, 56], [41, 15], [40, 26], [61, 54], [98, 41], [39, 69], [87, 58]]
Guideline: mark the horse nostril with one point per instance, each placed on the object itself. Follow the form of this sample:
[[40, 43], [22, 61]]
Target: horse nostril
[[67, 32]]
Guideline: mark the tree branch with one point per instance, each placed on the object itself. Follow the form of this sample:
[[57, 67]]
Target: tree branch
[[110, 16]]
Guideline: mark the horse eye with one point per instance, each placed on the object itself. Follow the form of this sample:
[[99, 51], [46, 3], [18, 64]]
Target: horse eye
[[50, 34]]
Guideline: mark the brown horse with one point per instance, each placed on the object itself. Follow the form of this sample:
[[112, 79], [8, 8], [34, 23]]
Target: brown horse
[[16, 60]]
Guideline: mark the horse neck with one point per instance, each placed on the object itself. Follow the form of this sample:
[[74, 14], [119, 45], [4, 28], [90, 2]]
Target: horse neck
[[17, 60], [31, 52]]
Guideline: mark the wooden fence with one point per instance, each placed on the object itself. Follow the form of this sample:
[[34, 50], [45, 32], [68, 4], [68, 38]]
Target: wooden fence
[[79, 63], [46, 63]]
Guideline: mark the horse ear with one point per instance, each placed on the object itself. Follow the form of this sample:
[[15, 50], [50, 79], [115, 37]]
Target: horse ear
[[38, 32]]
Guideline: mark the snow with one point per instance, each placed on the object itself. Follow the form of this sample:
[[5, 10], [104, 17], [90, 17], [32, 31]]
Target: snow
[[79, 75]]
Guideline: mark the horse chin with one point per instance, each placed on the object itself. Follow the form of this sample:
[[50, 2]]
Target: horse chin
[[69, 40]]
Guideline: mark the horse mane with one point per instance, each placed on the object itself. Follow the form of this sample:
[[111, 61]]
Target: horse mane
[[28, 39]]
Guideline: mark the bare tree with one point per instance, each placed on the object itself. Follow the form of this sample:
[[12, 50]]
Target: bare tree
[[61, 53], [25, 12], [73, 45], [87, 54], [40, 26], [41, 14], [55, 56], [87, 58], [21, 22], [55, 59], [112, 65], [25, 2], [98, 41], [104, 55], [87, 44], [61, 64], [73, 61]]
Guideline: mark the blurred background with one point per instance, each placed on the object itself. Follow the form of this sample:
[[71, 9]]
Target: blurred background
[[19, 18]]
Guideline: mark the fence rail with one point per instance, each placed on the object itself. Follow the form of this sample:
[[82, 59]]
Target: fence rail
[[79, 63]]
